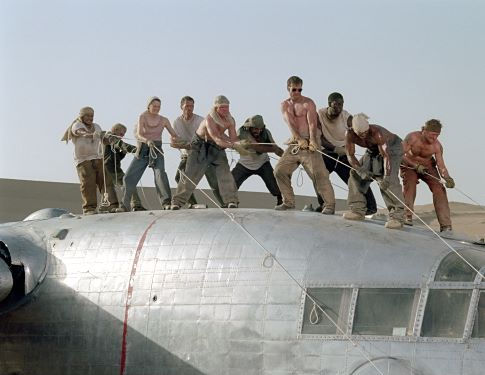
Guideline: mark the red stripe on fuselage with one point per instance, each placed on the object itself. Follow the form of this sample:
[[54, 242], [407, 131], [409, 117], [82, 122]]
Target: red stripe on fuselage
[[129, 295]]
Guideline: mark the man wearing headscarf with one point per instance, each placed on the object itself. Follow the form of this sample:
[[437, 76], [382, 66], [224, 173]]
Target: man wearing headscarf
[[88, 157], [114, 152], [423, 160], [256, 162], [300, 114], [334, 122], [207, 149], [381, 162], [185, 126]]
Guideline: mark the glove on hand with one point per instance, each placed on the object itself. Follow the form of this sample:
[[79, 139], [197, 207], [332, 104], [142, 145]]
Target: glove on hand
[[385, 182], [450, 183], [340, 150], [421, 169]]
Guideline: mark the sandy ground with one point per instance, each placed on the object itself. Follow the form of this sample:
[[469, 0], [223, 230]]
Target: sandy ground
[[19, 198]]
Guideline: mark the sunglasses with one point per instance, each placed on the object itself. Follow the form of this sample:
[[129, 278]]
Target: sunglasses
[[295, 90]]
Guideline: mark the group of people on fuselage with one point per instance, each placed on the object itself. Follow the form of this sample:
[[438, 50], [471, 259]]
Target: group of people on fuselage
[[321, 141]]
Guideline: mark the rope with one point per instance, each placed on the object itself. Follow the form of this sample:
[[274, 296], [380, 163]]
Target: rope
[[299, 178], [314, 313], [105, 200]]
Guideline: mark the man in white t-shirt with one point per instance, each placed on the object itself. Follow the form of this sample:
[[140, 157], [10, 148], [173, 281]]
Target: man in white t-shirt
[[256, 161], [185, 126], [333, 122], [88, 158]]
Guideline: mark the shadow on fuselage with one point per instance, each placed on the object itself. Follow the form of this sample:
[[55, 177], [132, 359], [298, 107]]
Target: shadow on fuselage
[[62, 332]]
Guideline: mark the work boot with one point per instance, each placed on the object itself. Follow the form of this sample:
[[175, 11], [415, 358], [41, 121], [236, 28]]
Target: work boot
[[408, 221], [279, 200], [308, 208], [446, 228], [89, 212], [350, 215], [138, 208], [232, 205], [175, 207], [121, 208], [319, 209], [370, 211], [328, 211], [393, 224], [283, 207]]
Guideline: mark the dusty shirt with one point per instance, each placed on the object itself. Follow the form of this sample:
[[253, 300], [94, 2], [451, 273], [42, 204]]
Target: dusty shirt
[[334, 130], [151, 127], [185, 130], [255, 159], [86, 148]]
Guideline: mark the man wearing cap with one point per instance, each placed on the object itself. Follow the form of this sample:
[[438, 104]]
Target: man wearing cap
[[300, 114], [88, 157], [185, 126], [381, 162], [208, 149], [334, 122], [256, 162], [113, 154], [423, 160]]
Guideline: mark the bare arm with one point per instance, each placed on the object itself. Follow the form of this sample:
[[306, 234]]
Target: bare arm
[[169, 128], [406, 145], [218, 135], [440, 162], [140, 130], [289, 119], [312, 121], [350, 149]]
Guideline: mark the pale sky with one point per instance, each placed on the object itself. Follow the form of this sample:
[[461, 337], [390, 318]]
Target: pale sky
[[400, 62]]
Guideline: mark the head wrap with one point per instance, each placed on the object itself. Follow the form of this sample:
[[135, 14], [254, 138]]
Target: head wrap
[[220, 100], [255, 122], [152, 99], [82, 112], [360, 123], [334, 96], [432, 125]]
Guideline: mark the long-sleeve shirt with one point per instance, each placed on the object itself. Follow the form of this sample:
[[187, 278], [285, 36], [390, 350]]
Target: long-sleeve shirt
[[112, 159]]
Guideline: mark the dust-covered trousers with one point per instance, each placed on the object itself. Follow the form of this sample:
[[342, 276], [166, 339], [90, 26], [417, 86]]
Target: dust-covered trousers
[[410, 178], [374, 163], [140, 162], [343, 171], [313, 164], [117, 177], [90, 174], [210, 175], [201, 156]]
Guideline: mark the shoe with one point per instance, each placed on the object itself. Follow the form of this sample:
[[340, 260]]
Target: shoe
[[167, 207], [138, 208], [408, 221], [446, 229], [121, 209], [175, 207], [319, 209], [279, 200], [231, 205], [328, 211], [370, 211], [283, 207], [393, 224], [308, 208], [89, 212], [349, 215]]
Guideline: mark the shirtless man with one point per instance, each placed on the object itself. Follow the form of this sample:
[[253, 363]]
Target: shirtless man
[[380, 162], [423, 158], [300, 114], [207, 149], [334, 121]]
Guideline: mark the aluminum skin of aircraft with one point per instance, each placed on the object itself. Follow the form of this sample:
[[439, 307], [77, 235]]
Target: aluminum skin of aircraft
[[190, 292]]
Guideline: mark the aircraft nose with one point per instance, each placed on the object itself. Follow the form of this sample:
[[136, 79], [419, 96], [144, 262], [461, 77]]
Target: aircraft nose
[[6, 280]]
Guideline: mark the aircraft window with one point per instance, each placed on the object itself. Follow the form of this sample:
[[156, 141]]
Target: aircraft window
[[453, 268], [479, 326], [335, 302], [445, 313], [385, 312]]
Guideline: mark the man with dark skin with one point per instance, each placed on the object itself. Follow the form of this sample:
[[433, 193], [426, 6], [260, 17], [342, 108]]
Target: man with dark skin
[[423, 160], [334, 122], [381, 162], [300, 115], [256, 162]]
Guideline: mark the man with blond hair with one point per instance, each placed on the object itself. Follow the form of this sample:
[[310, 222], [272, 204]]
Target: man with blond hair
[[423, 160], [300, 114], [381, 162]]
